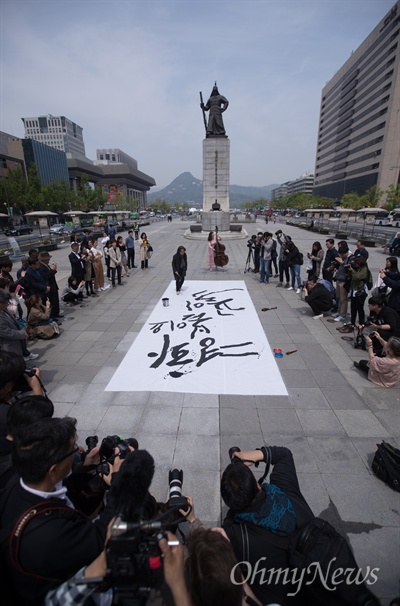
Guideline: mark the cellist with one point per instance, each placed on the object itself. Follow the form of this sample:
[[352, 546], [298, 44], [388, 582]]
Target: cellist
[[211, 242]]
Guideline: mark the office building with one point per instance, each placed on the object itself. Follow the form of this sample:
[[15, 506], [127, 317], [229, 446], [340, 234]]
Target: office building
[[359, 124], [58, 132], [303, 184], [51, 164]]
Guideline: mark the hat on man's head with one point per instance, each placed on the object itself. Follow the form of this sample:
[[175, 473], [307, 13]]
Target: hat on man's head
[[4, 296]]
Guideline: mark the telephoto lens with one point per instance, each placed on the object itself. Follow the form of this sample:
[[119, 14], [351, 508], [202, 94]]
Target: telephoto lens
[[176, 500], [232, 452]]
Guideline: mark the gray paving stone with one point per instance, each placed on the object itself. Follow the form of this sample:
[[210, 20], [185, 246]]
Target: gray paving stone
[[307, 397], [62, 409], [78, 374], [361, 423], [91, 414], [391, 420], [279, 422], [273, 402], [160, 446], [200, 421], [161, 419], [130, 398], [244, 442], [351, 498], [200, 484], [242, 402], [327, 378], [68, 393], [385, 556], [166, 398], [305, 458], [199, 400], [314, 491], [197, 453], [235, 420], [343, 397], [292, 362], [122, 419], [320, 422], [298, 378], [337, 455]]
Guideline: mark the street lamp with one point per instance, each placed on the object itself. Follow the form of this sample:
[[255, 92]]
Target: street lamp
[[9, 209]]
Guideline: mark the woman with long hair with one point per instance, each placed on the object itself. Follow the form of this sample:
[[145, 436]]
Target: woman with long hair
[[211, 242], [383, 371], [98, 268], [144, 250], [124, 259], [316, 256], [40, 323]]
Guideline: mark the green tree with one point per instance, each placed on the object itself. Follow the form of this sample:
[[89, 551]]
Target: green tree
[[55, 197], [372, 197], [351, 200], [14, 192], [392, 197]]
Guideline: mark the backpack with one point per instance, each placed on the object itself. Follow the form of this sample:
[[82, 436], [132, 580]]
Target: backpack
[[274, 254], [301, 258], [329, 564], [370, 281], [386, 465]]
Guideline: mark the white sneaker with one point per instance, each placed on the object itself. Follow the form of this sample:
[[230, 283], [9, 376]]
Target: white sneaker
[[318, 317], [339, 319], [31, 356], [335, 315], [106, 286], [298, 291], [290, 288]]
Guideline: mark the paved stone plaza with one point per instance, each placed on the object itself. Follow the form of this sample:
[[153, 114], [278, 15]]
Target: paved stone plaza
[[332, 419]]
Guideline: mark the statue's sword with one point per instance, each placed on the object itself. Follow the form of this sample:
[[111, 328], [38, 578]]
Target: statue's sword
[[204, 113]]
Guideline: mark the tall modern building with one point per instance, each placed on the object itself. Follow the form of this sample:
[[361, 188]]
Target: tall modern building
[[359, 124], [58, 132]]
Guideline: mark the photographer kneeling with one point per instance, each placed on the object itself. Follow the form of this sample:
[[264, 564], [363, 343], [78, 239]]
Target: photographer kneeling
[[317, 296]]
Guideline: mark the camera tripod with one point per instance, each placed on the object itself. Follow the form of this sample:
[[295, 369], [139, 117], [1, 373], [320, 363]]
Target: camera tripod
[[249, 260]]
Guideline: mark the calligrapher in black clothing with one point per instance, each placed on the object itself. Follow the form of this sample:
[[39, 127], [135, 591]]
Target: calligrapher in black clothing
[[179, 267]]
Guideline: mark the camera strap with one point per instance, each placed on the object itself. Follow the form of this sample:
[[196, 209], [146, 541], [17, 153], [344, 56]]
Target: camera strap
[[35, 516]]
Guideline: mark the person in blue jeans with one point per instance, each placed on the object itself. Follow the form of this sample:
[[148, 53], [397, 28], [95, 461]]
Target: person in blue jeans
[[265, 257], [294, 262]]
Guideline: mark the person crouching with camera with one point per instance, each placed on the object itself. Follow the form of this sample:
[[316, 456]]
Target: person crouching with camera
[[317, 296]]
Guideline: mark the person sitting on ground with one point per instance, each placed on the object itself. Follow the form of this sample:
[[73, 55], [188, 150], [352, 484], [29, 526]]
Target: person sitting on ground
[[318, 297], [384, 320], [390, 277], [383, 371], [73, 291], [40, 322], [13, 338]]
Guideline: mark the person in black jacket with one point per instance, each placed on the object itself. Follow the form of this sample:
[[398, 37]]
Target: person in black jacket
[[50, 273], [268, 531], [179, 267], [294, 262], [391, 278], [36, 279], [318, 297], [331, 255], [51, 547], [77, 263]]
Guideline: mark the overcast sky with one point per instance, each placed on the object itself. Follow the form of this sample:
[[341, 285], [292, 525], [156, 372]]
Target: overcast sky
[[130, 74]]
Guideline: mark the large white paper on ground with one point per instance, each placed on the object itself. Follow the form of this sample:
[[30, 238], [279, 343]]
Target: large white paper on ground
[[208, 340]]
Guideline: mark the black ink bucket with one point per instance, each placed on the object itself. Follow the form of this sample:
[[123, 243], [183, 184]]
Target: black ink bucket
[[165, 302]]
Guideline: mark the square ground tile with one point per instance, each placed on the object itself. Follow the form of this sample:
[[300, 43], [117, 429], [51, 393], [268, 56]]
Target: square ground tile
[[344, 397], [307, 397], [242, 402], [197, 453], [162, 449], [361, 423], [279, 422], [337, 455], [273, 402], [391, 420], [166, 398], [68, 393], [328, 377], [161, 419], [199, 421], [199, 400], [298, 378], [320, 423], [122, 420], [234, 420]]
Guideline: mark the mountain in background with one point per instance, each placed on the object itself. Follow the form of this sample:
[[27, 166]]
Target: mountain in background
[[186, 188]]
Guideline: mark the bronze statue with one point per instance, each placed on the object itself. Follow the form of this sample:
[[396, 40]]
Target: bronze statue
[[216, 104]]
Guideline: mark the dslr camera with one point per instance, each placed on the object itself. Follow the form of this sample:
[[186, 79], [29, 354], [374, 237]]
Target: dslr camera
[[279, 232]]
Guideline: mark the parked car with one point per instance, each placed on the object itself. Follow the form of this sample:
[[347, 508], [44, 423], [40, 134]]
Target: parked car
[[72, 229], [19, 230], [57, 228]]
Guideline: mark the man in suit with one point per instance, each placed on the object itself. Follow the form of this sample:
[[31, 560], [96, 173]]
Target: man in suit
[[77, 264]]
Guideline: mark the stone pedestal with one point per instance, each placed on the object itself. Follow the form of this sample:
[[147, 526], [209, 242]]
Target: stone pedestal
[[214, 219], [216, 154]]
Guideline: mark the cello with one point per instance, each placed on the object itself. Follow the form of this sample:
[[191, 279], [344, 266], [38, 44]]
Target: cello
[[220, 258]]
